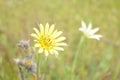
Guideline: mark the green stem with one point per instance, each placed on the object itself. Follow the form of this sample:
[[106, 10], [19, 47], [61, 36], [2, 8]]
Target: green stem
[[38, 59], [21, 73], [76, 56], [116, 73]]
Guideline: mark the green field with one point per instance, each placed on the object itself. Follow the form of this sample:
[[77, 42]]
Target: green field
[[97, 60]]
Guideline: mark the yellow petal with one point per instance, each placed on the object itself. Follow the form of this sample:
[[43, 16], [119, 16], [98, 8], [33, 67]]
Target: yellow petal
[[34, 35], [36, 30], [46, 28], [46, 53], [40, 50], [51, 51], [60, 39], [57, 34], [54, 33], [59, 48], [41, 28], [37, 45], [51, 29], [61, 44]]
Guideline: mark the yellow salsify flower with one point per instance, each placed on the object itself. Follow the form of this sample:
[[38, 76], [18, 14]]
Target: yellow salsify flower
[[48, 39]]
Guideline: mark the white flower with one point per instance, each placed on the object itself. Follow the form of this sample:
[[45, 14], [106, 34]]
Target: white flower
[[89, 32]]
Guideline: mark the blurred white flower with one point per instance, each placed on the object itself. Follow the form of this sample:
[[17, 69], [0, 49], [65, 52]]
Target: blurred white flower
[[89, 32]]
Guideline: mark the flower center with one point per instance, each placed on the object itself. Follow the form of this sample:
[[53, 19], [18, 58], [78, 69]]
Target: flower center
[[87, 34], [46, 42]]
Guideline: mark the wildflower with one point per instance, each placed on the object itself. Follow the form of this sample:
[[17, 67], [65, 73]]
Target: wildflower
[[30, 65], [24, 44], [19, 61], [48, 40], [89, 32]]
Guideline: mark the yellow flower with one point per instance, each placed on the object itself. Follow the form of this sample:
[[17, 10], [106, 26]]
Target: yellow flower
[[48, 39]]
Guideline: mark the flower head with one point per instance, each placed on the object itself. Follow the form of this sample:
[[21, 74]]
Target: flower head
[[30, 65], [48, 40], [89, 32], [24, 44]]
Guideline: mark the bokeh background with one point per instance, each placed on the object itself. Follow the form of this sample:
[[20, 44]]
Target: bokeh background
[[101, 58]]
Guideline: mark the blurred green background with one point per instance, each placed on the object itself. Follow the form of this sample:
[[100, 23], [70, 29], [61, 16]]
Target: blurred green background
[[101, 58]]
